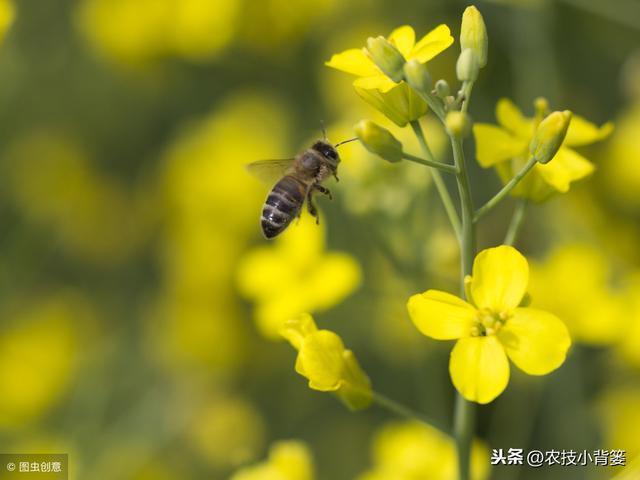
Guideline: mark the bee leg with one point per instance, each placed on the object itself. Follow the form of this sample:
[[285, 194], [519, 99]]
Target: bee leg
[[324, 191], [335, 175], [311, 207]]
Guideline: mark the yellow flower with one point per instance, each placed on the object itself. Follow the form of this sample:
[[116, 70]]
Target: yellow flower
[[492, 326], [593, 313], [324, 361], [288, 460], [356, 61], [415, 451], [396, 100], [295, 275], [506, 147]]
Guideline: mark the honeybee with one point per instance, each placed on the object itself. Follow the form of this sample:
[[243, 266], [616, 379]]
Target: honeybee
[[300, 179]]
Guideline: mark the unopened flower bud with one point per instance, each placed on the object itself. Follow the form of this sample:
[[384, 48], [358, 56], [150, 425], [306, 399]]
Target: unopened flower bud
[[442, 89], [458, 124], [417, 76], [473, 35], [379, 140], [386, 56], [549, 136], [467, 66]]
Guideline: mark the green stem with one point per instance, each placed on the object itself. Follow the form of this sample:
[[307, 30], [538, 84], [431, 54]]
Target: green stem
[[404, 411], [467, 237], [438, 181], [516, 222], [430, 163], [466, 93], [505, 190], [464, 414]]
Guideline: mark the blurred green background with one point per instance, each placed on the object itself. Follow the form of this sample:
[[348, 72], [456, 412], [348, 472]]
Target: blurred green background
[[125, 211]]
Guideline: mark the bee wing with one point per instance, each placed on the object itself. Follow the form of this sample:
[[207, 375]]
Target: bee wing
[[270, 171]]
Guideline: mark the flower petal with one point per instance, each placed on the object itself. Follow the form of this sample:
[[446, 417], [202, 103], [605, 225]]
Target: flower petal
[[434, 42], [499, 280], [566, 167], [535, 340], [479, 368], [511, 118], [400, 104], [377, 81], [403, 38], [583, 132], [441, 315], [495, 145], [321, 360], [353, 61]]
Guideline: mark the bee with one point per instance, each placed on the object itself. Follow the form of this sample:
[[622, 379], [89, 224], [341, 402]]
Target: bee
[[300, 178]]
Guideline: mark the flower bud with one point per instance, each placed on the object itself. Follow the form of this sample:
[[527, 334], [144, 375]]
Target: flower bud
[[417, 75], [458, 124], [442, 89], [467, 66], [473, 35], [386, 56], [379, 140], [549, 136]]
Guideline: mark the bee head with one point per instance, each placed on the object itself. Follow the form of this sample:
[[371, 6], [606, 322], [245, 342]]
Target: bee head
[[328, 151]]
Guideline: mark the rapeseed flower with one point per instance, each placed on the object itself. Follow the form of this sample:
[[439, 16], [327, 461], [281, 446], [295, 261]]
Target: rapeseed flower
[[295, 275], [506, 147], [396, 100], [288, 460], [415, 451], [324, 361], [492, 326]]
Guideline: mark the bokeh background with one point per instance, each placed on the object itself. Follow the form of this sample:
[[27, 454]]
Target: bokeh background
[[136, 336]]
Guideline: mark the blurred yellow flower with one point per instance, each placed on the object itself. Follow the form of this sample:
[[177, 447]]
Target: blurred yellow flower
[[396, 100], [629, 321], [415, 451], [620, 419], [621, 170], [136, 31], [53, 183], [7, 15], [38, 351], [324, 361], [295, 275], [288, 460], [506, 147], [203, 180], [226, 431], [492, 326], [574, 282]]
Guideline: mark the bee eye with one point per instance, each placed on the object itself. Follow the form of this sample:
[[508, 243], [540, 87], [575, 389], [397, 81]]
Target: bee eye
[[331, 153]]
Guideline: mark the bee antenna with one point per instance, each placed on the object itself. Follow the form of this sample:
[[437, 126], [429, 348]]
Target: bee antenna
[[324, 131], [345, 141]]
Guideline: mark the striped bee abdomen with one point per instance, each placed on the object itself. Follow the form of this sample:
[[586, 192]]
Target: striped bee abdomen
[[282, 205]]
